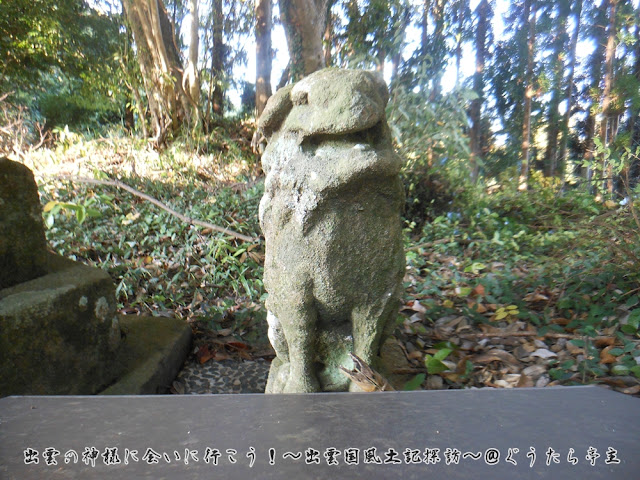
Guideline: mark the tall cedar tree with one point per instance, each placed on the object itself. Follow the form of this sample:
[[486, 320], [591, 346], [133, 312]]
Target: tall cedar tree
[[191, 78], [483, 13], [263, 53], [558, 47], [529, 16], [597, 32], [217, 60], [577, 13], [606, 91]]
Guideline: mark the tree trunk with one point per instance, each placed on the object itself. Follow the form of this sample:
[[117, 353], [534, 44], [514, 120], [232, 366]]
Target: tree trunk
[[530, 17], [159, 64], [217, 60], [396, 59], [381, 57], [632, 126], [424, 24], [596, 75], [553, 122], [304, 23], [606, 93], [191, 81], [458, 57], [437, 12], [483, 11], [263, 54], [569, 92], [634, 113], [328, 38]]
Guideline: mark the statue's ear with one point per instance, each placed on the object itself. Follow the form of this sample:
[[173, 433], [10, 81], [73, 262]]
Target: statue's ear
[[276, 110]]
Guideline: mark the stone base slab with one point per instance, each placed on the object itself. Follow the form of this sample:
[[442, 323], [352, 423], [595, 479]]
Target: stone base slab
[[152, 354], [59, 333]]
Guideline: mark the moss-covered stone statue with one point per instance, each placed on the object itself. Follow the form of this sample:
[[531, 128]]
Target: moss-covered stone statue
[[331, 218]]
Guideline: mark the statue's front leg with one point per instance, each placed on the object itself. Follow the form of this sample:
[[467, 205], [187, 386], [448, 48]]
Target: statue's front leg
[[370, 322], [300, 326]]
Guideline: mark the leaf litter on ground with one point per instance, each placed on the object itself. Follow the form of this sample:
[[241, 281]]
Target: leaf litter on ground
[[507, 296]]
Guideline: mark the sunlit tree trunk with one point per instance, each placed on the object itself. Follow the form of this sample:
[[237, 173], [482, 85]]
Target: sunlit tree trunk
[[458, 49], [381, 57], [191, 80], [437, 13], [263, 54], [632, 174], [328, 38], [159, 64], [217, 60], [483, 12], [634, 111], [304, 24], [559, 45], [606, 92], [530, 17], [396, 59], [424, 24], [597, 61], [569, 91]]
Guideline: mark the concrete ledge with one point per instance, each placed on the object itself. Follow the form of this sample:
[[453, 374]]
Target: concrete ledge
[[152, 354], [584, 433]]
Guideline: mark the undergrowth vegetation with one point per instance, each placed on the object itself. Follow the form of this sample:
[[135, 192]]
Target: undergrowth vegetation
[[503, 288], [537, 265]]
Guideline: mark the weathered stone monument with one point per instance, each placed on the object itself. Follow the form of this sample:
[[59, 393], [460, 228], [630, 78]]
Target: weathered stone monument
[[331, 218], [59, 331], [23, 250]]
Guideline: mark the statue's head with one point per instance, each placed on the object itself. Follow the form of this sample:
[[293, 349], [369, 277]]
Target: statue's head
[[328, 102]]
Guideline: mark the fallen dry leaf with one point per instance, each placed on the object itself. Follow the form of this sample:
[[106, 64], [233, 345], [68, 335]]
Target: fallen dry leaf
[[495, 355], [604, 341], [534, 371], [606, 357], [535, 297], [524, 382], [415, 355], [220, 356], [205, 354], [478, 307], [177, 388], [544, 353], [631, 390], [238, 345], [574, 350], [478, 290], [417, 307]]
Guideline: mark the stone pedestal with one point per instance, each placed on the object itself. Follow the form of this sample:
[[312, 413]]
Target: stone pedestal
[[59, 333]]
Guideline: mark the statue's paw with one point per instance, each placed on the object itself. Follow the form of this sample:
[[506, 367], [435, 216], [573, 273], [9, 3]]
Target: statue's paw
[[302, 384]]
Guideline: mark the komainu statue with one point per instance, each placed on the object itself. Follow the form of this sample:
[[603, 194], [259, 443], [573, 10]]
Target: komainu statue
[[331, 218]]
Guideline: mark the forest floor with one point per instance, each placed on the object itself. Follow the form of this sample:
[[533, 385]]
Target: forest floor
[[504, 289]]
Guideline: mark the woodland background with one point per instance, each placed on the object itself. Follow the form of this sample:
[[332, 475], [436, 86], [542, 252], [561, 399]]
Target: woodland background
[[521, 227]]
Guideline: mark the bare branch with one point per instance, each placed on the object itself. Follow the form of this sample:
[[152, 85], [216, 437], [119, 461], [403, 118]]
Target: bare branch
[[158, 203]]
